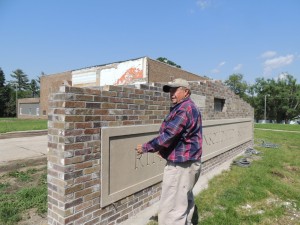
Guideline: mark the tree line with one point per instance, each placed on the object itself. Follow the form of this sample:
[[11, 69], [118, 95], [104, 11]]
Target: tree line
[[272, 99], [18, 87]]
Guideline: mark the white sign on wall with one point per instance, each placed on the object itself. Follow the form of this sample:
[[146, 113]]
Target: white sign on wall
[[129, 72]]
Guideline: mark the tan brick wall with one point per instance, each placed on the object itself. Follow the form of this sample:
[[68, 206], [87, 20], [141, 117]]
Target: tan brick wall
[[74, 149], [162, 72], [50, 84], [234, 106]]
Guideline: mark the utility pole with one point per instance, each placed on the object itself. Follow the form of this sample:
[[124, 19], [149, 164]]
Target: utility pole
[[16, 85]]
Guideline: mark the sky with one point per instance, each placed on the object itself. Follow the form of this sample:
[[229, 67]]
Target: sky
[[213, 38]]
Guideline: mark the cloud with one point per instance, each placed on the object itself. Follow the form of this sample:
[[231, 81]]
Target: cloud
[[222, 63], [282, 76], [203, 4], [268, 54], [217, 70], [238, 67], [271, 64]]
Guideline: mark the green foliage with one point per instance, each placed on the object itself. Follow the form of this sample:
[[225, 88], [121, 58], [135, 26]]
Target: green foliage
[[19, 87], [2, 78], [236, 83], [20, 81], [10, 105], [34, 88], [3, 93], [167, 61], [283, 96]]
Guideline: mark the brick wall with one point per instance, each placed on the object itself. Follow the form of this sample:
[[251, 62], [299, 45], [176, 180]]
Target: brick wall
[[74, 147], [162, 72], [234, 106], [50, 84]]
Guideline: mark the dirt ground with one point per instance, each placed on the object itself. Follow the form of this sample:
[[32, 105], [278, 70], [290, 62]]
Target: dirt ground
[[29, 217]]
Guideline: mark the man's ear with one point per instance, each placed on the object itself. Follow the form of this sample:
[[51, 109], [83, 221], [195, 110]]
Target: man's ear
[[186, 92]]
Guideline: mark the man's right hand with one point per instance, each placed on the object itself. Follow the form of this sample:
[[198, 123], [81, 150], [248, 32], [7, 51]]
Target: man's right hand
[[139, 149]]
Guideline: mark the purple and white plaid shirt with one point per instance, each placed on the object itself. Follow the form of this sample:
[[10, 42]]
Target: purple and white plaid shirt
[[180, 135]]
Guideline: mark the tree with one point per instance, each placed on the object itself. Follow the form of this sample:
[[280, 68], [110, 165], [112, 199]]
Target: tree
[[2, 78], [240, 87], [167, 61], [236, 83], [282, 98], [288, 98], [9, 103], [21, 80], [34, 88], [3, 93]]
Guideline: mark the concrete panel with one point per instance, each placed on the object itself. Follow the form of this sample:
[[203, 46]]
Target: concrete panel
[[123, 172], [199, 100], [221, 135]]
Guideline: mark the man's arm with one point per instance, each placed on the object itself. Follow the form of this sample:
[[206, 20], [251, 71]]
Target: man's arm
[[171, 131]]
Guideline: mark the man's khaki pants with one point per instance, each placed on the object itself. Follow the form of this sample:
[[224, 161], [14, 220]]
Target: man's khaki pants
[[177, 200]]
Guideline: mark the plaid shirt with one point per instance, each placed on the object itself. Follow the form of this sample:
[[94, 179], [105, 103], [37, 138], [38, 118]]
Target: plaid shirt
[[180, 135]]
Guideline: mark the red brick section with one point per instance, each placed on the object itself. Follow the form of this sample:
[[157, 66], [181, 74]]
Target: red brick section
[[74, 148]]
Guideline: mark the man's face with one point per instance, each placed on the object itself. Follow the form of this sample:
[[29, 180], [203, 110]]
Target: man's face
[[177, 94]]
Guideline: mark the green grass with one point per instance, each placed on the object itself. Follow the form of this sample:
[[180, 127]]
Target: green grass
[[3, 186], [22, 191], [23, 176], [14, 124], [267, 192], [290, 127]]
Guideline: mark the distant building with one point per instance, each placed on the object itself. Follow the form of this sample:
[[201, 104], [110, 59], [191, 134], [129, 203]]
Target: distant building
[[28, 108], [129, 72]]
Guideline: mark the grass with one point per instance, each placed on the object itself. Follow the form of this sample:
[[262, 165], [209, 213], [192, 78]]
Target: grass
[[267, 192], [23, 176], [14, 124], [294, 127], [21, 191]]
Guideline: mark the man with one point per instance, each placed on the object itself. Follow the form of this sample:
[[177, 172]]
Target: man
[[180, 143]]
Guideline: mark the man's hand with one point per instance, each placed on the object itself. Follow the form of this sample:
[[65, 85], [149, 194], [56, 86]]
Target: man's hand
[[139, 149]]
